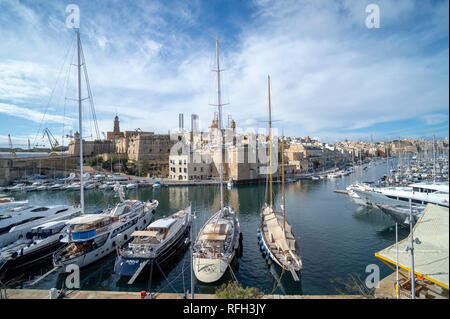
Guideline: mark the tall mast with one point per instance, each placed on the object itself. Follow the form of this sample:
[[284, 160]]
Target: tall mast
[[434, 162], [219, 125], [282, 179], [270, 143], [413, 291], [80, 122]]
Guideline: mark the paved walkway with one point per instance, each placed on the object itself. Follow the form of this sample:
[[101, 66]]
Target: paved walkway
[[85, 294]]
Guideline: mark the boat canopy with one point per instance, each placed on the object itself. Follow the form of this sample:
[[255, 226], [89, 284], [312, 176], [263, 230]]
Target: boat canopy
[[87, 219], [431, 249], [162, 223], [145, 233], [216, 232]]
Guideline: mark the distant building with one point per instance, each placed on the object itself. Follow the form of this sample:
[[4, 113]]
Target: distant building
[[136, 146]]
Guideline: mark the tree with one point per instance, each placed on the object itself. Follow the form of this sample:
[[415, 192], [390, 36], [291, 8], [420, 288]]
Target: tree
[[95, 160], [234, 290]]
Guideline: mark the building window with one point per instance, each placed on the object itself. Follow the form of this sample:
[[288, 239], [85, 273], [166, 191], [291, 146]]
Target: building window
[[185, 169], [195, 169]]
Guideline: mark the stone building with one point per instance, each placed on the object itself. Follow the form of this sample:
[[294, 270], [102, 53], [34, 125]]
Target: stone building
[[145, 150], [90, 148]]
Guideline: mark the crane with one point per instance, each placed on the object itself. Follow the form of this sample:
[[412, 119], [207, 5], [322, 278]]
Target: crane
[[53, 142], [11, 149]]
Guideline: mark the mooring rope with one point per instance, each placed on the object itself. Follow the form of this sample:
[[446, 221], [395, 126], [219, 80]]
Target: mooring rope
[[278, 283]]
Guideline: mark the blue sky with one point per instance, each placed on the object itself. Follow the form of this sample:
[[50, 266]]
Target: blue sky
[[331, 76]]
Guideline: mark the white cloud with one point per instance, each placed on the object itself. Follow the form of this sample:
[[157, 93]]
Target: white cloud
[[329, 72], [32, 115]]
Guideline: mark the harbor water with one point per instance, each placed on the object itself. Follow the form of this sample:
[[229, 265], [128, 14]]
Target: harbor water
[[337, 238]]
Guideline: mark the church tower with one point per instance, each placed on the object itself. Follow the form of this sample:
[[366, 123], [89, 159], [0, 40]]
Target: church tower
[[116, 130]]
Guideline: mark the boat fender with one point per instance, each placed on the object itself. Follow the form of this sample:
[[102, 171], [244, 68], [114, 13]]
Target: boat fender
[[219, 255]]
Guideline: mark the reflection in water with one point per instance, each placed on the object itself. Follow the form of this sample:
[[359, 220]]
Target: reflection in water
[[371, 215]]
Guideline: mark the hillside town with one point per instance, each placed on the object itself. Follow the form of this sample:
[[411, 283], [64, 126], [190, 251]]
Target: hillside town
[[187, 155]]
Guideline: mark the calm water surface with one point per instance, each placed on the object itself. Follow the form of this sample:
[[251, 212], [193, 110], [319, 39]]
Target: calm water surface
[[337, 238]]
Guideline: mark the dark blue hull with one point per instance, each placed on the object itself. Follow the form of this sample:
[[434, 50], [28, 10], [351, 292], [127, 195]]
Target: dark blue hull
[[22, 262], [128, 266]]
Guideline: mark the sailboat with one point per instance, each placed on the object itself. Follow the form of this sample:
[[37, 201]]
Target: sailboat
[[275, 234], [218, 241], [90, 237]]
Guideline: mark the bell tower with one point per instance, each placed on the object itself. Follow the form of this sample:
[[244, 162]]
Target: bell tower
[[116, 130]]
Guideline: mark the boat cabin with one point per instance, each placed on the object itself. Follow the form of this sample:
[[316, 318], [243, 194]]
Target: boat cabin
[[430, 188], [87, 226], [121, 209], [45, 230], [214, 236], [154, 234]]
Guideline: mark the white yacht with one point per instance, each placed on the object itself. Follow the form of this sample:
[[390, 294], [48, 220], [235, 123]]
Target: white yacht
[[216, 245], [419, 193], [17, 188], [22, 219], [219, 239], [333, 175], [9, 202], [90, 237], [354, 196], [131, 185]]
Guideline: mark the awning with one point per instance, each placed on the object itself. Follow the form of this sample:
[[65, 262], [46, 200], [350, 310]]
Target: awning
[[87, 218], [146, 233], [162, 223], [431, 254]]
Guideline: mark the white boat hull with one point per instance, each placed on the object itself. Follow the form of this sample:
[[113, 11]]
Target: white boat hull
[[209, 270], [109, 246]]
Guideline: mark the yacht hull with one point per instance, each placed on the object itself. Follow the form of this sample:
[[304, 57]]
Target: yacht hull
[[128, 266], [108, 247], [22, 262], [400, 216], [209, 270]]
